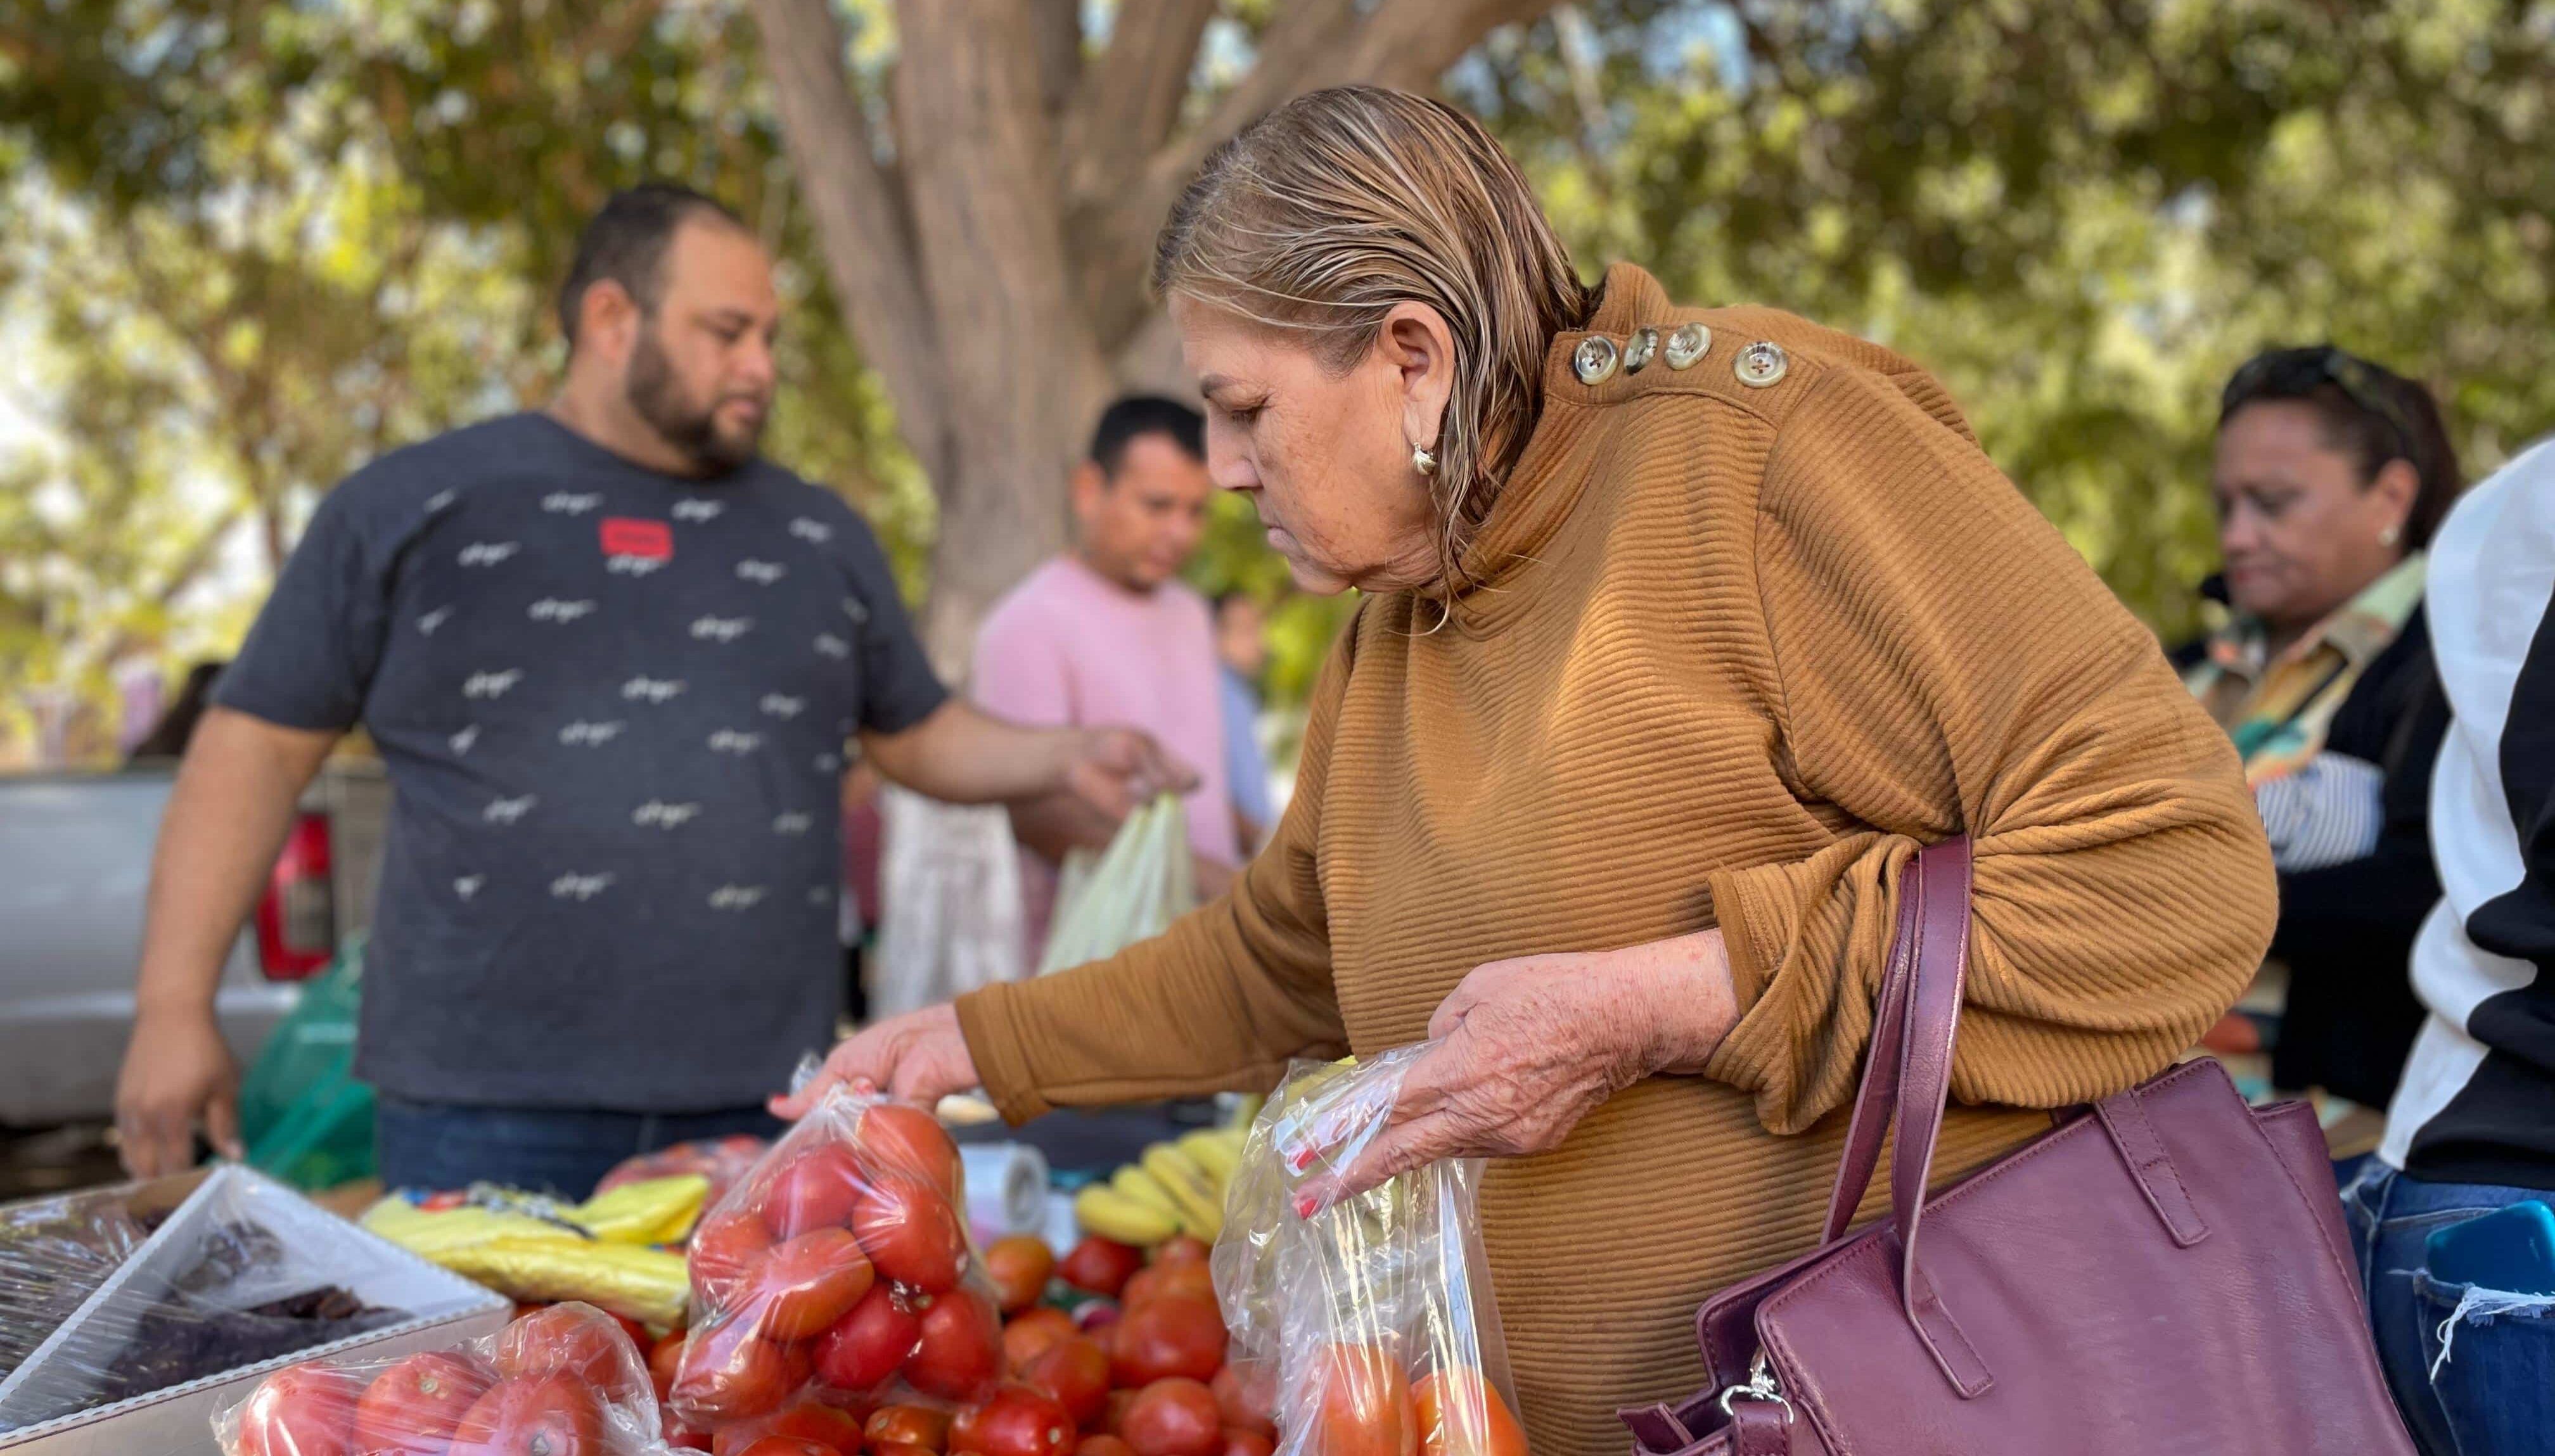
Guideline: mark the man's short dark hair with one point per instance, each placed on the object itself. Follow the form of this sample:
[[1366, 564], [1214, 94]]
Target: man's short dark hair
[[1133, 416], [626, 243]]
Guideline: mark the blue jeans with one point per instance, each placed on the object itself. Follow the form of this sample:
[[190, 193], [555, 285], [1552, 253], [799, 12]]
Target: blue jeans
[[2495, 1393], [555, 1151]]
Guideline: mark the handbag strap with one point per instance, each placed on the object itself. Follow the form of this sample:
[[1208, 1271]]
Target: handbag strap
[[1907, 1079]]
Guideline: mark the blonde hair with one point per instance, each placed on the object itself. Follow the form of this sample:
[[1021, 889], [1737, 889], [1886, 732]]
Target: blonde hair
[[1322, 215]]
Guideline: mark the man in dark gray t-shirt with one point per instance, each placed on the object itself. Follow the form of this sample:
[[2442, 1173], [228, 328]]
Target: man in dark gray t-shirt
[[612, 661]]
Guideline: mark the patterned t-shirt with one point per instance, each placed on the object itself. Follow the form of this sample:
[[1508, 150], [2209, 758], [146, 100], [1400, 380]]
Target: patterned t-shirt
[[614, 706]]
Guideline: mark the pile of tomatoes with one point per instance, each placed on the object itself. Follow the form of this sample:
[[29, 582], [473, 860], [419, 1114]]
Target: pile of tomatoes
[[562, 1381]]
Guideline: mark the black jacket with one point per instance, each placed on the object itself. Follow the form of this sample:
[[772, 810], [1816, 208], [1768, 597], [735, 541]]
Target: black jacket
[[2346, 931]]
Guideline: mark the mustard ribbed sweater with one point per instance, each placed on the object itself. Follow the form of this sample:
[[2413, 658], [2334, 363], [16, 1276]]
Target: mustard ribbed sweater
[[1734, 654]]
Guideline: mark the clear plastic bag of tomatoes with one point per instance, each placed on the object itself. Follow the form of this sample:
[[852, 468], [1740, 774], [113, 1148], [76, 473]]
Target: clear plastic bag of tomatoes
[[563, 1378], [1368, 1328], [838, 1274]]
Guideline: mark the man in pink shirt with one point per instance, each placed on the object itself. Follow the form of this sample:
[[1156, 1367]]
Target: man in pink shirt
[[1107, 634]]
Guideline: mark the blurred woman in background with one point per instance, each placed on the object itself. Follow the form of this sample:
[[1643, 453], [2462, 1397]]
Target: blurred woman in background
[[2331, 474]]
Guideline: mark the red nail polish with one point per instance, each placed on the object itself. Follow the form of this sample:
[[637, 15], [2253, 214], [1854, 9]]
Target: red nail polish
[[1305, 1204]]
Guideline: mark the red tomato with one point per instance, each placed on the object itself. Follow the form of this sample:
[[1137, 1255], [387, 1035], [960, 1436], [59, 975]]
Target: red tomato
[[1028, 1335], [684, 1438], [413, 1408], [663, 1359], [786, 1446], [1169, 1281], [552, 1414], [1460, 1414], [835, 1431], [1176, 1417], [1099, 1265], [961, 1351], [1076, 1372], [730, 1372], [910, 1234], [818, 1189], [865, 1347], [302, 1411], [899, 1448], [807, 1284], [910, 1425], [1102, 1445], [723, 1253], [1113, 1421], [1242, 1410], [1014, 1421], [1019, 1267], [1171, 1336], [1247, 1443], [1179, 1249], [572, 1339], [1362, 1403], [907, 1140]]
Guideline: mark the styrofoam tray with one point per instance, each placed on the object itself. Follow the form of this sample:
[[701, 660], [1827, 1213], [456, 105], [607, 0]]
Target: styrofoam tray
[[45, 1396]]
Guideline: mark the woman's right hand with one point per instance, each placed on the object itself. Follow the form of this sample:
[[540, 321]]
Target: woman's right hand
[[920, 1056]]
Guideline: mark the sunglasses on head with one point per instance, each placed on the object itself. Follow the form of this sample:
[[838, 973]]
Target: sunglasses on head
[[2290, 373]]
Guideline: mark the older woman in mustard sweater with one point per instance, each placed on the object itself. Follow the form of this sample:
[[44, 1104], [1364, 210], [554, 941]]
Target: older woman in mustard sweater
[[1682, 630]]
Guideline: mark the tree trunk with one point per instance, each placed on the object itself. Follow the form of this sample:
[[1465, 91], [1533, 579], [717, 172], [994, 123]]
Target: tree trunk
[[1016, 356], [995, 275]]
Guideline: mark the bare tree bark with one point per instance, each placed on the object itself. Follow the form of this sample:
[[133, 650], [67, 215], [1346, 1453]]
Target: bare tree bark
[[994, 273], [1016, 350], [862, 222]]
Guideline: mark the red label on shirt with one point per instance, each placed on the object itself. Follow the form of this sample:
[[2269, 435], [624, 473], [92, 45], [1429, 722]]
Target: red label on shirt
[[625, 536]]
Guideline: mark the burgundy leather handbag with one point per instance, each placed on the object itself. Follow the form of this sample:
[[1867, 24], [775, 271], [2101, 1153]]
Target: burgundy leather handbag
[[2164, 1271]]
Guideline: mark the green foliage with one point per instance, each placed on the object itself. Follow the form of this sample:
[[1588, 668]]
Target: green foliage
[[2082, 214], [253, 245]]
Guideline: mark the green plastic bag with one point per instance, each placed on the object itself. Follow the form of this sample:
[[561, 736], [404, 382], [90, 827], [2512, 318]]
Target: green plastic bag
[[1133, 892], [305, 1118]]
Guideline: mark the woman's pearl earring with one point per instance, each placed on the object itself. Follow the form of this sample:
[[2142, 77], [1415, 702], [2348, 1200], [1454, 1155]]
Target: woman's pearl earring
[[1422, 462], [2390, 535]]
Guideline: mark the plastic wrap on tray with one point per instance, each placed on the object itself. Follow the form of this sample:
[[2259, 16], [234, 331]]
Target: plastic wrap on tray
[[838, 1274], [1369, 1326], [564, 1380], [53, 1255], [242, 1273]]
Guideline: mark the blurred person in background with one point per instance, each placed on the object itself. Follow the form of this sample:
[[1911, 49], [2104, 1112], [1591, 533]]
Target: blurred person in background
[[2330, 476], [1242, 655], [612, 660], [1107, 633], [2467, 1333]]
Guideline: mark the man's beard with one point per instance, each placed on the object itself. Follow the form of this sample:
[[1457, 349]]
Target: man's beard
[[657, 395]]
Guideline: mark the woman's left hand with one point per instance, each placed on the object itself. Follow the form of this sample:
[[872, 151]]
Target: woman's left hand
[[1527, 1047]]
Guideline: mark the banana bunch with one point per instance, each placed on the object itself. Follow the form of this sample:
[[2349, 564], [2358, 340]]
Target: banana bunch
[[1176, 1187]]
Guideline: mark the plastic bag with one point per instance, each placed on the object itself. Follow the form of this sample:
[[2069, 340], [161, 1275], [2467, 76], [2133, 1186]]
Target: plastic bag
[[951, 886], [839, 1272], [1140, 884], [563, 1378], [1369, 1326], [539, 1250], [303, 1116]]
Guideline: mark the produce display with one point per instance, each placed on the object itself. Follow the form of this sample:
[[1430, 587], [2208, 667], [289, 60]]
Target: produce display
[[606, 1252], [1372, 1320], [562, 1381]]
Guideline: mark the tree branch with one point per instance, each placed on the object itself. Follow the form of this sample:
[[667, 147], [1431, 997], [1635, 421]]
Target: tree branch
[[1130, 100], [862, 223], [1313, 44], [1055, 33]]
